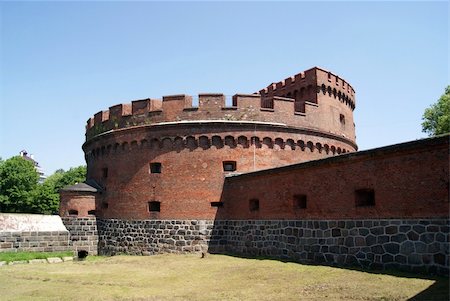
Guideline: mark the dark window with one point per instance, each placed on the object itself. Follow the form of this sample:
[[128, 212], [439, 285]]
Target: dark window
[[342, 119], [105, 172], [216, 204], [229, 165], [154, 206], [73, 212], [300, 201], [364, 197], [253, 205], [155, 167], [105, 205], [91, 212]]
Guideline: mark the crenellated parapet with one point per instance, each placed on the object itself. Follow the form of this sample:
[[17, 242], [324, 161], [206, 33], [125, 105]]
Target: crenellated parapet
[[306, 87], [305, 100]]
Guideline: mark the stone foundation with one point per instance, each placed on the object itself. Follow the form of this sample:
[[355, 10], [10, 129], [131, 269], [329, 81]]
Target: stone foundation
[[83, 233], [411, 245]]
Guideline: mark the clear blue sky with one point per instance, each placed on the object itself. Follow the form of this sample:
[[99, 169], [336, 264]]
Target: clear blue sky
[[61, 62]]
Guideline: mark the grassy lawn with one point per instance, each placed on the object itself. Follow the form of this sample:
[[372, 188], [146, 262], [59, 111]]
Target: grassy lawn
[[16, 256], [216, 277]]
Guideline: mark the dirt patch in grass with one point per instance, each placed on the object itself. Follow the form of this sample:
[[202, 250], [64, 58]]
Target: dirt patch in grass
[[216, 277]]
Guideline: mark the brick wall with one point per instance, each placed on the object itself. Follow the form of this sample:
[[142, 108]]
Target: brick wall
[[408, 180]]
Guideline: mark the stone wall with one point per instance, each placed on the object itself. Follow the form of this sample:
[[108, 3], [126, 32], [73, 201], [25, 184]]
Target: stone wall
[[411, 245], [83, 233], [148, 237], [34, 241]]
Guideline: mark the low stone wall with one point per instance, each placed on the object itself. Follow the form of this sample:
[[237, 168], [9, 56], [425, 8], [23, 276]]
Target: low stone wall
[[83, 233], [32, 232], [34, 241], [411, 245]]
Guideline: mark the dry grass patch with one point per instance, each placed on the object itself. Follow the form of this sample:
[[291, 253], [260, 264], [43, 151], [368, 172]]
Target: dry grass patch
[[187, 277]]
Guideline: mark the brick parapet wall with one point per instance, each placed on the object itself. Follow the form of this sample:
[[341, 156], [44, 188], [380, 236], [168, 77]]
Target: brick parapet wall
[[417, 245], [34, 241], [83, 233]]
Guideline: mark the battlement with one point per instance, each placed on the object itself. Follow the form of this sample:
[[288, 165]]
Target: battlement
[[293, 102], [306, 86]]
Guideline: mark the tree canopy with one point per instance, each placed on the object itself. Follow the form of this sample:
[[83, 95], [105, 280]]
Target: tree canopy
[[436, 118], [20, 191], [18, 180]]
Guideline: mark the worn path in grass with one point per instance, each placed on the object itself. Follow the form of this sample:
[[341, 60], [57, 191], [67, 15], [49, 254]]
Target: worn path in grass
[[187, 277]]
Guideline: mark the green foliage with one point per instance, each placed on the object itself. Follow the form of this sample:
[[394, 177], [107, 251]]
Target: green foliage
[[18, 180], [436, 118], [20, 191]]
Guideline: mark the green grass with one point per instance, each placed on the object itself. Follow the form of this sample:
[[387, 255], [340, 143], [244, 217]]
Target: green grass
[[17, 256], [216, 277]]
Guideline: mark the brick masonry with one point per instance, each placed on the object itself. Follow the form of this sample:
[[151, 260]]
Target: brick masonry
[[34, 241], [83, 233], [416, 245]]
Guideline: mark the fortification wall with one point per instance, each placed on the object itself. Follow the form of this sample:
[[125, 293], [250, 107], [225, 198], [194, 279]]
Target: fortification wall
[[83, 233], [77, 204], [191, 158], [408, 180]]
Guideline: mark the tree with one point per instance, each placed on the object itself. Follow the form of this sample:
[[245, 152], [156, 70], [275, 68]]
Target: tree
[[18, 180], [72, 176], [436, 118]]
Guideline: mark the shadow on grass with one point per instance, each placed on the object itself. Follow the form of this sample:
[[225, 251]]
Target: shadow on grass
[[438, 291]]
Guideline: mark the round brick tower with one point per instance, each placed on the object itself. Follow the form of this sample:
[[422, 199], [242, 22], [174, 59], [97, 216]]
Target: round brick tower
[[164, 159]]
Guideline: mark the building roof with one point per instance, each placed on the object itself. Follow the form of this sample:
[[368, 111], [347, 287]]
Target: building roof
[[83, 187]]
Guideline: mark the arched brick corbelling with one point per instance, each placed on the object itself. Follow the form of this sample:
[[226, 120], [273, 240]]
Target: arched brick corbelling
[[204, 142], [243, 142], [267, 141], [256, 142], [333, 149], [217, 142], [166, 143], [326, 147], [279, 143], [310, 145], [230, 142], [290, 143], [319, 147]]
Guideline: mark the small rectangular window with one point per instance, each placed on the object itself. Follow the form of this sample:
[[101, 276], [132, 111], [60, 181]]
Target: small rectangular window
[[154, 206], [91, 212], [105, 172], [105, 205], [155, 167], [73, 212], [229, 166], [300, 201], [364, 197], [253, 205], [342, 119], [216, 204]]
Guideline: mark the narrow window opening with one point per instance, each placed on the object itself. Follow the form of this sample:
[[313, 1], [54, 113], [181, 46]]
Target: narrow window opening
[[253, 205], [155, 167], [105, 205], [300, 201], [73, 212], [154, 206], [216, 204], [364, 197], [105, 172], [91, 212], [342, 119], [229, 166]]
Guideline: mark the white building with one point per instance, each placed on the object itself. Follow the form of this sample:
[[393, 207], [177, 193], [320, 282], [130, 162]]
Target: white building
[[39, 170]]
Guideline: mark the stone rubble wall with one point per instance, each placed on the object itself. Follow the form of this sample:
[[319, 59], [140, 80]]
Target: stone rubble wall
[[34, 241], [416, 245], [83, 233]]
